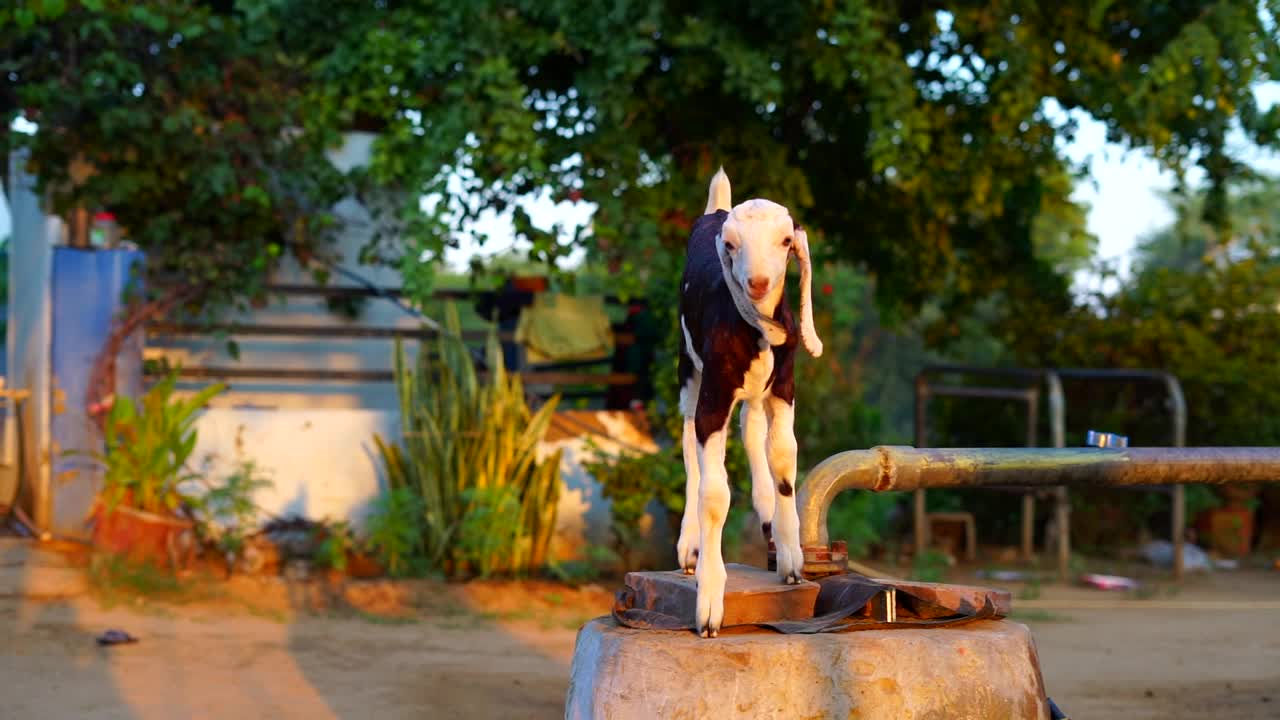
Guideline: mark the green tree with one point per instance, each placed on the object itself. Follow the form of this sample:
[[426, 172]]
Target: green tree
[[1190, 242], [912, 138], [184, 121], [1199, 304]]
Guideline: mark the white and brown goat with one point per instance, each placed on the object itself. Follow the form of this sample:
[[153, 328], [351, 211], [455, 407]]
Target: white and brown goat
[[740, 341]]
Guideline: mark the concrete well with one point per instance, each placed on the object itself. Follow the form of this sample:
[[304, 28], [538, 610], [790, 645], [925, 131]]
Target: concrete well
[[987, 670]]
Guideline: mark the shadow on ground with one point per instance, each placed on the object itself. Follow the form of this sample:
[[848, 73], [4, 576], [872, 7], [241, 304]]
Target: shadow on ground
[[264, 648]]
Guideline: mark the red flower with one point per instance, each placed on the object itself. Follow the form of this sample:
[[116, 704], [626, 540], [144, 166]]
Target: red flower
[[827, 289], [575, 195]]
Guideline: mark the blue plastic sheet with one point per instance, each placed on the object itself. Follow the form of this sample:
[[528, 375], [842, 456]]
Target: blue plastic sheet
[[87, 292]]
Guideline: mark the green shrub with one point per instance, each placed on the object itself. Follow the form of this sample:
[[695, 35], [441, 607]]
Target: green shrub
[[226, 512], [861, 519], [339, 540], [630, 482], [394, 530], [468, 450]]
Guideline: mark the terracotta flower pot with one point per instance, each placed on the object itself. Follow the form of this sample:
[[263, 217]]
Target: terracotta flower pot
[[1229, 530], [161, 540], [360, 565], [531, 283]]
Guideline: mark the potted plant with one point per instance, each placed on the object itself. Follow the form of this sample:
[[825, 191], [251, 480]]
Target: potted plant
[[142, 511], [1229, 528], [341, 554]]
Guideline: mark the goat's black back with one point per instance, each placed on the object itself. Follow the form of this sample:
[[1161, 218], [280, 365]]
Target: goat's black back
[[722, 339]]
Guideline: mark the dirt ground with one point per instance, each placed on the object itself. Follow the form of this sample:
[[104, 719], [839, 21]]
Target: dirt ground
[[502, 650]]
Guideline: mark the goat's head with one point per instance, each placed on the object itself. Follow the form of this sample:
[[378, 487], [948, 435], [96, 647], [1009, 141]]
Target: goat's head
[[757, 240]]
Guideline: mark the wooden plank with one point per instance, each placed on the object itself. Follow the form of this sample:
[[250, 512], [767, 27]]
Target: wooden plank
[[380, 376], [355, 291], [338, 331], [751, 595]]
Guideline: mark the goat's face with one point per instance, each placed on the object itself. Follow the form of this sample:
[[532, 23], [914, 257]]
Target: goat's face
[[756, 243]]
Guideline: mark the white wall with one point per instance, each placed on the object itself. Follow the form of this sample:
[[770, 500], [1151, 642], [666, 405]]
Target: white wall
[[323, 464]]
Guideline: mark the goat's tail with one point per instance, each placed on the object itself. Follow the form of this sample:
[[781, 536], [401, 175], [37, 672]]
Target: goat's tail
[[718, 195]]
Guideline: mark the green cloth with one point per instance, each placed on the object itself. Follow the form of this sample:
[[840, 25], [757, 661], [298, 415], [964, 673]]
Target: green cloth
[[560, 328]]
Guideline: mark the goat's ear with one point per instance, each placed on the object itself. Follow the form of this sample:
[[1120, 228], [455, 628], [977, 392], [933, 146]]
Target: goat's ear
[[809, 335]]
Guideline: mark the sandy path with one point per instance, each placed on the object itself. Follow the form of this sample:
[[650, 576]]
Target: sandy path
[[223, 662], [202, 664]]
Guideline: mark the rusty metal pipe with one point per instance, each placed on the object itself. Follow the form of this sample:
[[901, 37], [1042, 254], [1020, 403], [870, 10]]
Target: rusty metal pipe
[[900, 468]]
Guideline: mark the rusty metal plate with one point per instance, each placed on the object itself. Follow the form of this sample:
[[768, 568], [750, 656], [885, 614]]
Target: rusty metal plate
[[965, 598]]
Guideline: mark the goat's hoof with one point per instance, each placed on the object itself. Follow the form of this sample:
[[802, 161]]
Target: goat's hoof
[[709, 632], [689, 561]]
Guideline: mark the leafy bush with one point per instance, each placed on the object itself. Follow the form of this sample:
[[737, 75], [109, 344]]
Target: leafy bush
[[630, 482], [226, 511], [861, 518], [588, 569], [394, 530], [468, 449], [339, 540], [929, 566]]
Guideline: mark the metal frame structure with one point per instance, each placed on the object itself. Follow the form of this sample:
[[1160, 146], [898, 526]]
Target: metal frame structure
[[1030, 395], [904, 468]]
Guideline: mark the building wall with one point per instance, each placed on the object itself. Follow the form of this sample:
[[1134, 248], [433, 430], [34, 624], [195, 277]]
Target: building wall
[[315, 440]]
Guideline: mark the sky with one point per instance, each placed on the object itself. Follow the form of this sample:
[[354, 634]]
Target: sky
[[1124, 188], [1123, 192]]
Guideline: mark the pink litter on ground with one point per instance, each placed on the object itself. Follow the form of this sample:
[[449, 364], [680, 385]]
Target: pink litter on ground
[[1109, 582]]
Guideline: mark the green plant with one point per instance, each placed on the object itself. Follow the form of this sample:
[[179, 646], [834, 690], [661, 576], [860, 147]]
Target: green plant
[[339, 540], [929, 566], [631, 481], [116, 580], [861, 519], [1199, 498], [469, 450], [588, 569], [226, 512], [1031, 590], [114, 574], [490, 527], [147, 444], [394, 531]]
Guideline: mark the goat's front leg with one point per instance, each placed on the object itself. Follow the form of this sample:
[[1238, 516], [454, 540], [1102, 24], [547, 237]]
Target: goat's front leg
[[755, 428], [690, 540], [782, 461], [713, 507]]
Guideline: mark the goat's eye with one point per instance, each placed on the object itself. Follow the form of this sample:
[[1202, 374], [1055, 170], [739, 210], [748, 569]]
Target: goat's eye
[[730, 247], [786, 241]]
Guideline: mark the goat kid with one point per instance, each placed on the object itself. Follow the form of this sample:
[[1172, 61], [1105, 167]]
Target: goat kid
[[739, 345]]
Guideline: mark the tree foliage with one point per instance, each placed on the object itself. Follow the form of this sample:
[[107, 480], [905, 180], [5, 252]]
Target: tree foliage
[[1190, 242], [913, 137], [181, 120], [1201, 304]]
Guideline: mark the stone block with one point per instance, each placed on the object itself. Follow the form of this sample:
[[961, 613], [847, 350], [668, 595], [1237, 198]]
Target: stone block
[[986, 669]]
